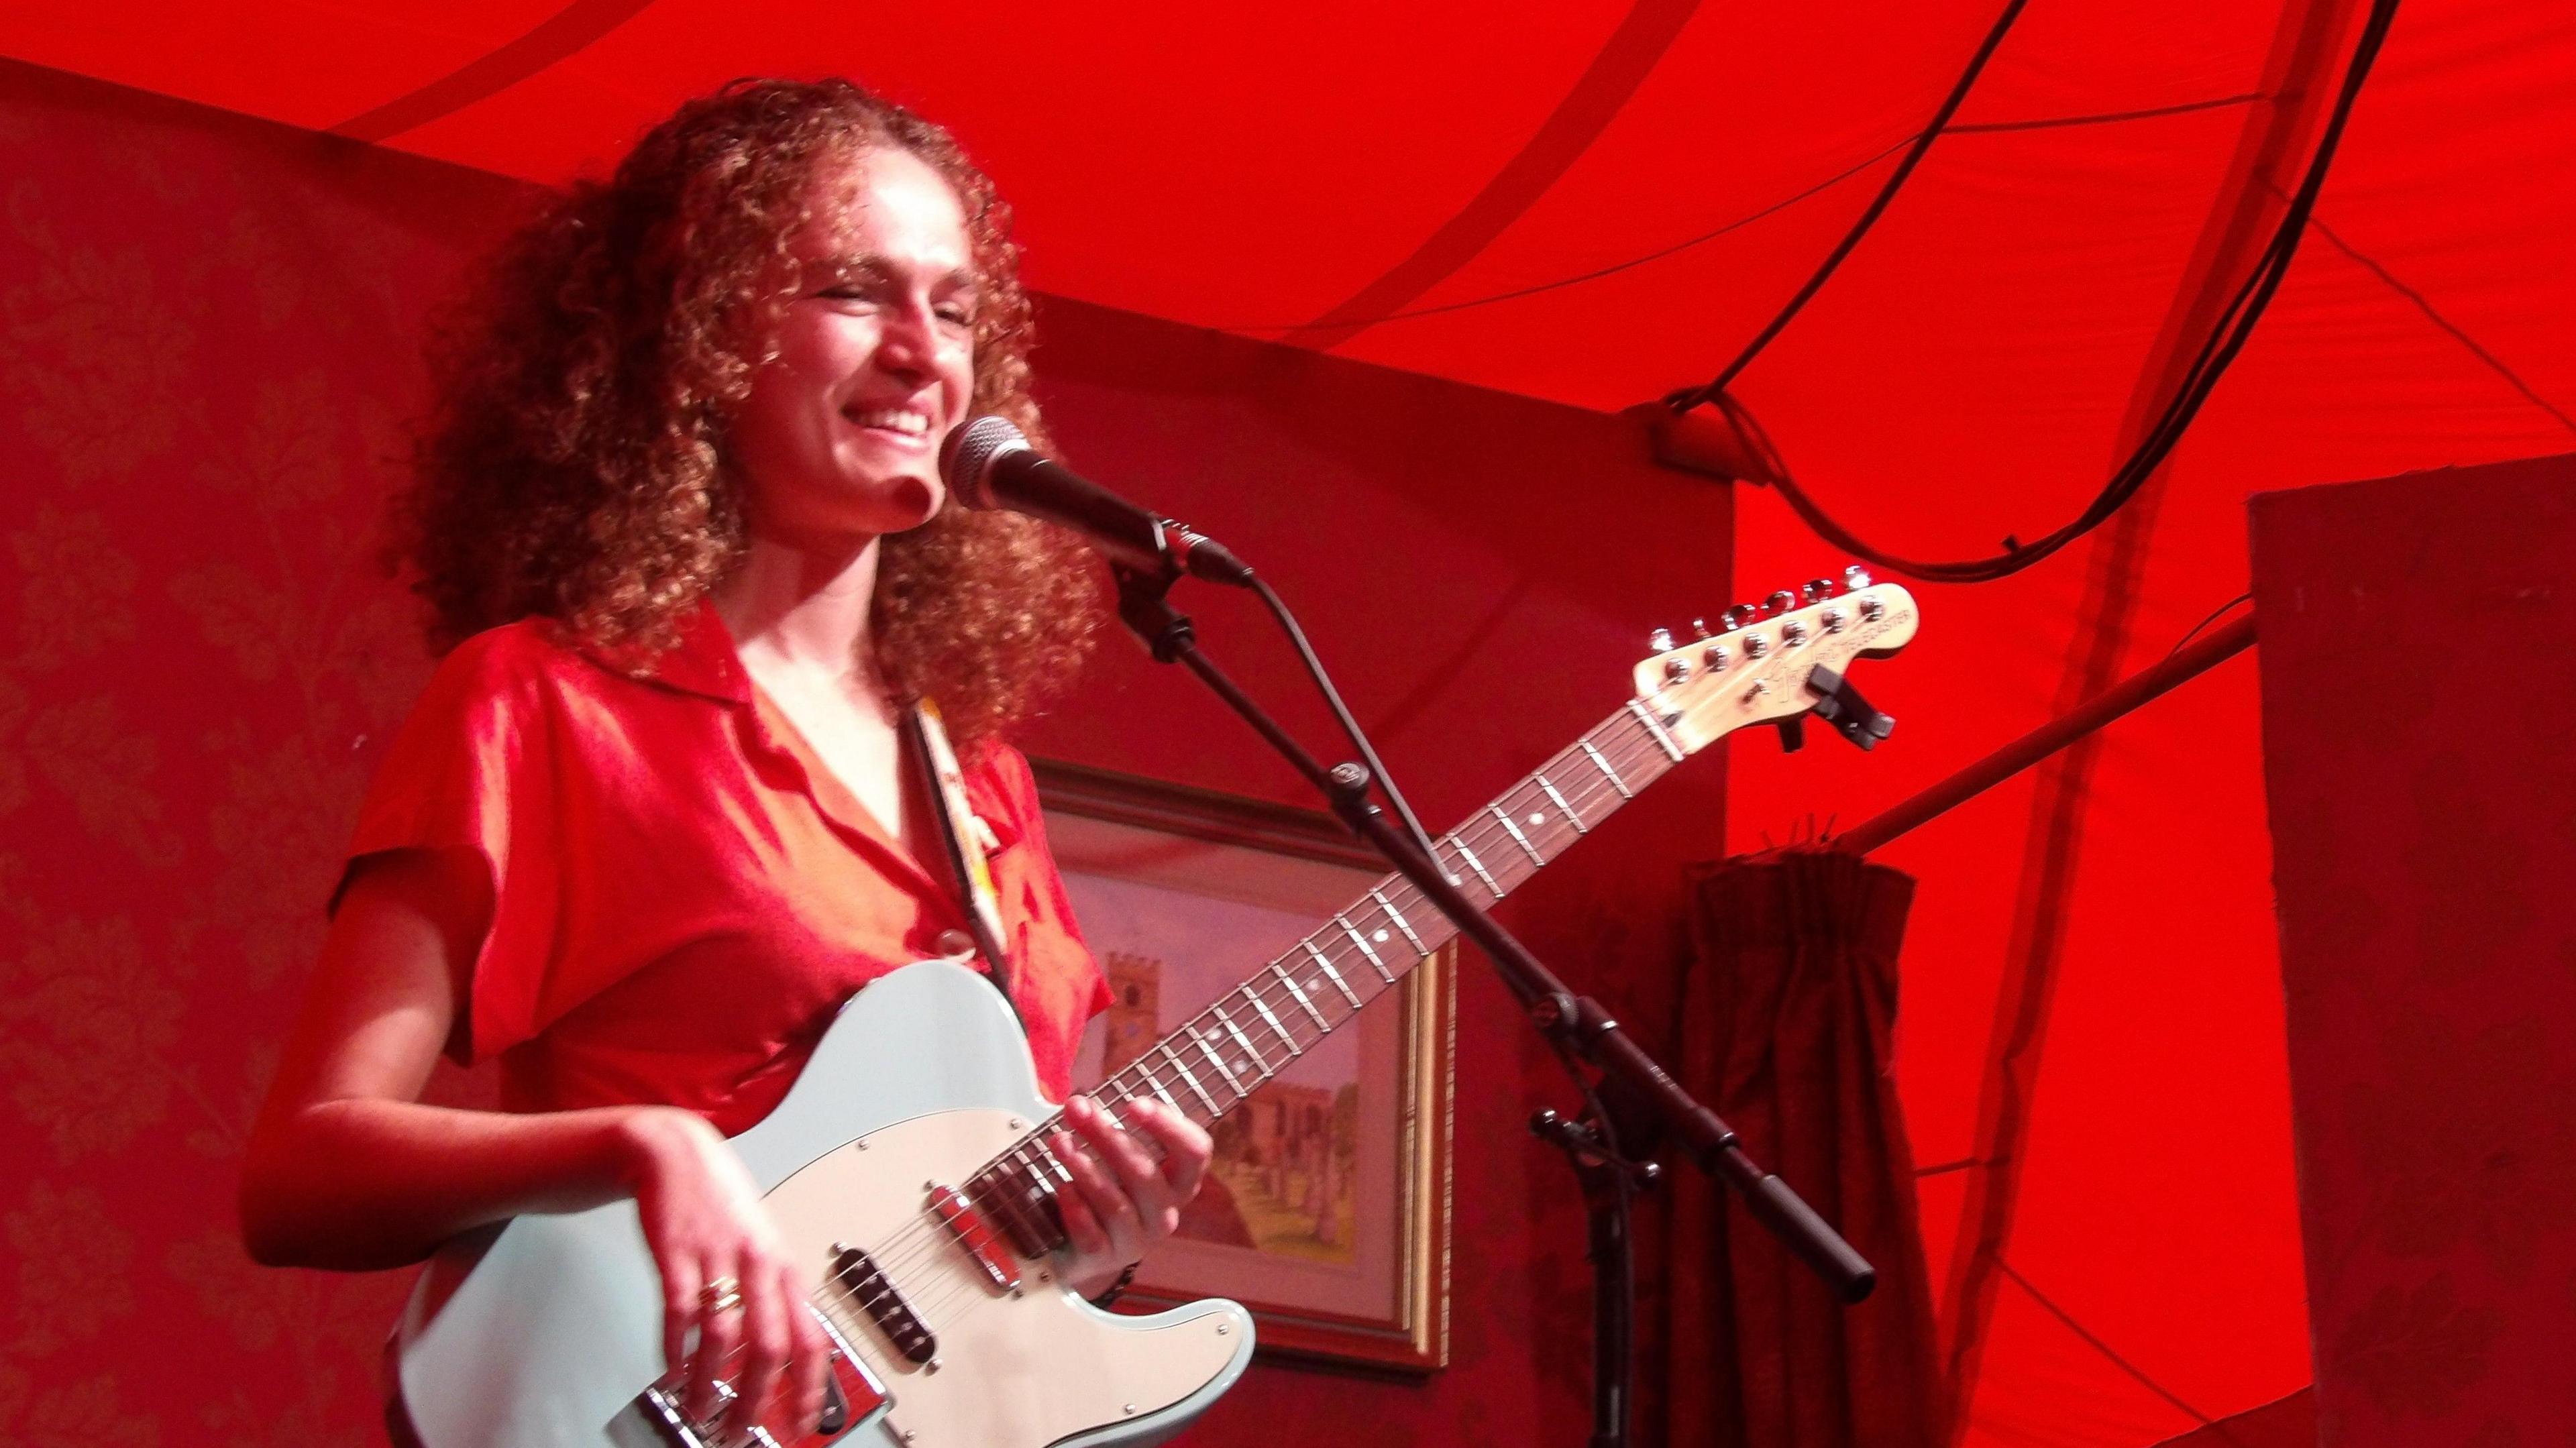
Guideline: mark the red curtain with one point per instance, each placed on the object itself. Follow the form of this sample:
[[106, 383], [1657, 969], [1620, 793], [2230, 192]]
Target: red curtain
[[1788, 1014]]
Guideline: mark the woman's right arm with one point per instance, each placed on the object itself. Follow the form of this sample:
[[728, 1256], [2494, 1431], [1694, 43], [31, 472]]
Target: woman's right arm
[[348, 1169]]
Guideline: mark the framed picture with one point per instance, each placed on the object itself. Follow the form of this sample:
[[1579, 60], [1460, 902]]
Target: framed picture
[[1326, 1211]]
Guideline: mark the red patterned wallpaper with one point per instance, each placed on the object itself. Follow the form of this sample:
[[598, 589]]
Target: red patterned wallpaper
[[206, 346]]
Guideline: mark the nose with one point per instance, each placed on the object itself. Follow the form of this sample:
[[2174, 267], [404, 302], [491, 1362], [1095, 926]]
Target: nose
[[909, 344]]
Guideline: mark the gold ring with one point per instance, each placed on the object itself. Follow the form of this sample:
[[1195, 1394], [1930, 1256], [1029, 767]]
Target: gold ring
[[722, 1295]]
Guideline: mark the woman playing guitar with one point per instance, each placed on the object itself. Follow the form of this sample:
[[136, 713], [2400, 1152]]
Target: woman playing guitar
[[679, 522]]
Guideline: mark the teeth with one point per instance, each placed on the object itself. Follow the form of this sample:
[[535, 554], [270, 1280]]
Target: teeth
[[896, 419]]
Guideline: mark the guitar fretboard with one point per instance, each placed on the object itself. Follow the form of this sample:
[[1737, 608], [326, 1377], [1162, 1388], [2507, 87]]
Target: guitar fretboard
[[1250, 1034]]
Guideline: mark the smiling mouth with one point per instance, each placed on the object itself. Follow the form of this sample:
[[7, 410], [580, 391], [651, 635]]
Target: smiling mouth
[[902, 421]]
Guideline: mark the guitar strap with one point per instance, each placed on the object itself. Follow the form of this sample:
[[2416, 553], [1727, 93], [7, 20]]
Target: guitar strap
[[966, 840]]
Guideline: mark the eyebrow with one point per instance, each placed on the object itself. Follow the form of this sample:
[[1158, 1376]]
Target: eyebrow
[[875, 269]]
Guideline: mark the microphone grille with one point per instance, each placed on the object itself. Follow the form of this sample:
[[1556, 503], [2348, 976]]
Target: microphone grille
[[966, 460]]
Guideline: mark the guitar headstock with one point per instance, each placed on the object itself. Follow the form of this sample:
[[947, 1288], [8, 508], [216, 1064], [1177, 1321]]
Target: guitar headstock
[[1764, 667]]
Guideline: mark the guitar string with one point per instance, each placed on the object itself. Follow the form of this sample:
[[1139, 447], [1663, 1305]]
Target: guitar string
[[944, 1305], [924, 1236], [918, 1240]]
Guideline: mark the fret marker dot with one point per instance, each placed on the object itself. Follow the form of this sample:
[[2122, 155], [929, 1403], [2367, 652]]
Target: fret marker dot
[[1537, 818], [1379, 937]]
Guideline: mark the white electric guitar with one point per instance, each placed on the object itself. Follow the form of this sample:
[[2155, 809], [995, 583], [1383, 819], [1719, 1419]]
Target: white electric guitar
[[908, 1163]]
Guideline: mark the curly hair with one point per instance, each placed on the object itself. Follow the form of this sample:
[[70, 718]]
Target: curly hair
[[573, 464]]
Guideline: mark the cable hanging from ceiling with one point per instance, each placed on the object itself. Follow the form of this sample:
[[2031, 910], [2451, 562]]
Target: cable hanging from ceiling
[[2227, 337], [1689, 398], [1809, 193]]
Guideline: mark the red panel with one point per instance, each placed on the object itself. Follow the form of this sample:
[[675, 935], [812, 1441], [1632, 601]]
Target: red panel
[[2417, 694]]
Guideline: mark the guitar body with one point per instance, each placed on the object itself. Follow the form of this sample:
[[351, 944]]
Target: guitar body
[[546, 1333]]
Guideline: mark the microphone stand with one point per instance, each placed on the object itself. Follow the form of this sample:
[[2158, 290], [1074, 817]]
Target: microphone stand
[[1575, 1026]]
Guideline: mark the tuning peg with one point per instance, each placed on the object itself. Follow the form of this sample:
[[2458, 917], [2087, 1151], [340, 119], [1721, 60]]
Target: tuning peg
[[1660, 641], [1818, 589], [1855, 577], [1780, 602], [1740, 615], [1699, 628]]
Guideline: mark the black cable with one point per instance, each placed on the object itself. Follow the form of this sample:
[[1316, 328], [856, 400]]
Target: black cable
[[2227, 337], [1342, 715], [1597, 273], [1611, 269], [2215, 615], [1685, 401]]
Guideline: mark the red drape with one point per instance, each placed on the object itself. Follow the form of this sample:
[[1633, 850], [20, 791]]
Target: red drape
[[1788, 1016]]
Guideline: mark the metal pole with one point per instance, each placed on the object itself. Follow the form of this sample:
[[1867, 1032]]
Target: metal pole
[[2186, 663]]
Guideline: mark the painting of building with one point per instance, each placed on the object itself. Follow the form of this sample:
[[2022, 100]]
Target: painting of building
[[1134, 1017]]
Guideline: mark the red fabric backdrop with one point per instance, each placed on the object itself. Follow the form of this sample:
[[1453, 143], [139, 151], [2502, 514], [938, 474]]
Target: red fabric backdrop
[[1789, 1012]]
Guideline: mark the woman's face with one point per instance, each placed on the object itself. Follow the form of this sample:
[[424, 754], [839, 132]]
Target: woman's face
[[839, 439]]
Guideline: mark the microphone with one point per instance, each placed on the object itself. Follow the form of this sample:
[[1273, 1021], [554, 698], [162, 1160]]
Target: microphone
[[988, 463]]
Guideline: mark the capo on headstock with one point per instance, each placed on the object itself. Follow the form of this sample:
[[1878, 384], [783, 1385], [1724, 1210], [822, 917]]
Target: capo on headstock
[[1774, 663], [1841, 705]]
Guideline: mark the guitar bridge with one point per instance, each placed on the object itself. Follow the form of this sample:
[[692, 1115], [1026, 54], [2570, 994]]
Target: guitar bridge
[[658, 1420]]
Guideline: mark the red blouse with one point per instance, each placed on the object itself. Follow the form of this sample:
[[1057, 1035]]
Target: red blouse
[[683, 896]]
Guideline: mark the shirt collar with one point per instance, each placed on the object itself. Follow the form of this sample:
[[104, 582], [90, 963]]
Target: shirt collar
[[704, 661]]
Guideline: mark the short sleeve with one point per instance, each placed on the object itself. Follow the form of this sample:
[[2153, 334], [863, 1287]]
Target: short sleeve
[[472, 769]]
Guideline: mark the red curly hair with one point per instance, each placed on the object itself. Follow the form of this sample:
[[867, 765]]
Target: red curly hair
[[574, 464]]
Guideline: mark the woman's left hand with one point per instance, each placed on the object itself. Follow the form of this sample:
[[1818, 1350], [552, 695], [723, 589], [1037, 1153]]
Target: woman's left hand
[[1123, 1202]]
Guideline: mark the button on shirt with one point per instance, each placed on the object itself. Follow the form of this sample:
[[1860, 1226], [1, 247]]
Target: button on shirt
[[683, 896]]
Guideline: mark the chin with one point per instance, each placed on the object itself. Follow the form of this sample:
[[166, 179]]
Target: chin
[[914, 499]]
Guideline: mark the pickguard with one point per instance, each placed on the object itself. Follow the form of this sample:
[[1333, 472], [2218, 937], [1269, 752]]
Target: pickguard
[[540, 1336]]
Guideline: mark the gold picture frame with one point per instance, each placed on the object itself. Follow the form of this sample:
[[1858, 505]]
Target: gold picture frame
[[1328, 1211]]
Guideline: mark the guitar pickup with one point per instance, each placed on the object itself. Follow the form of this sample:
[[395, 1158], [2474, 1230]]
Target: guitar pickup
[[967, 1225], [1839, 704], [865, 1284]]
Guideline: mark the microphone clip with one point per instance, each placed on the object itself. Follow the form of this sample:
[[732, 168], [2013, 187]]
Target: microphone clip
[[1144, 604]]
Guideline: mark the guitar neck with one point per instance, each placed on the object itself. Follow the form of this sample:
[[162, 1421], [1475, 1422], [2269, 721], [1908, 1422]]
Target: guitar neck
[[1248, 1035], [1771, 664], [1219, 1057]]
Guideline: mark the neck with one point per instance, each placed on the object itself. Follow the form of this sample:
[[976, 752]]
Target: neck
[[803, 608]]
